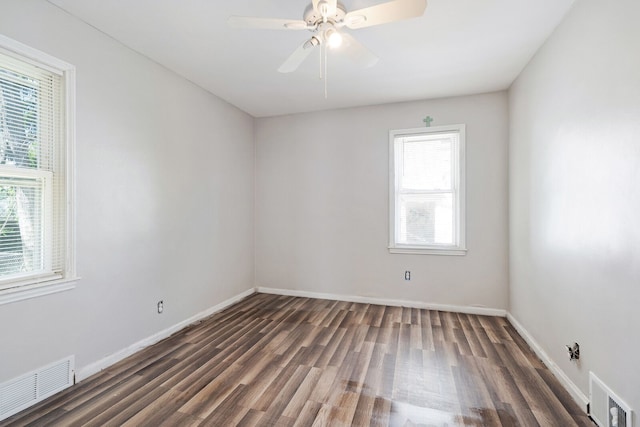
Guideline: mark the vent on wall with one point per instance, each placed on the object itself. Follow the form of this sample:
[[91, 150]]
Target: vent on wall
[[28, 389], [605, 407]]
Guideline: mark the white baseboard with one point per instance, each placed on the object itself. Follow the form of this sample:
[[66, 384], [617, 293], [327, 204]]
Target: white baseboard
[[95, 367], [577, 395], [484, 311]]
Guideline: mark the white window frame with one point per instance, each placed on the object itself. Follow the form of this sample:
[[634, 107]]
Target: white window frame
[[458, 184], [46, 217], [36, 285]]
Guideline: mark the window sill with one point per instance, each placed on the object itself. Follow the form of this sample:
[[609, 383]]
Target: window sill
[[36, 290], [428, 251]]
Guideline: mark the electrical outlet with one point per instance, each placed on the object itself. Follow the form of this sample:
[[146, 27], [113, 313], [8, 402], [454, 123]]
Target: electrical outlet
[[407, 275], [160, 306], [574, 351]]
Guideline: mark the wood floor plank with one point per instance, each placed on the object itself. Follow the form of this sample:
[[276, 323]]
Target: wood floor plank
[[285, 394], [146, 414], [301, 395], [257, 388], [322, 389], [308, 414], [182, 420], [381, 412], [274, 360], [99, 403], [228, 412], [276, 384], [251, 419]]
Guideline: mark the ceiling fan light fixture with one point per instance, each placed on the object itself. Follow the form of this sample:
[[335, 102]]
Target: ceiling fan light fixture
[[312, 42], [333, 38]]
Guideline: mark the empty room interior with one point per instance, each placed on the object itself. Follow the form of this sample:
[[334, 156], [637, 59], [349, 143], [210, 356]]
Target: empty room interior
[[366, 212]]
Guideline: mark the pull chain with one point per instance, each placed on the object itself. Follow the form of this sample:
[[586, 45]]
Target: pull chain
[[320, 50], [325, 72], [323, 68]]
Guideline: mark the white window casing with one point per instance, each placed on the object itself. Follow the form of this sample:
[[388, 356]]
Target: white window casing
[[427, 190], [37, 183]]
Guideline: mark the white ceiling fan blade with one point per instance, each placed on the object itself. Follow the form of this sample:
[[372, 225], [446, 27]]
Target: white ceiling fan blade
[[357, 52], [266, 23], [384, 13], [298, 56]]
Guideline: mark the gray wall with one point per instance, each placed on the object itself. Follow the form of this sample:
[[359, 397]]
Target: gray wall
[[164, 200], [575, 195], [322, 220]]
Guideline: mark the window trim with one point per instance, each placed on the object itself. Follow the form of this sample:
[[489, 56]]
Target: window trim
[[458, 249], [36, 286]]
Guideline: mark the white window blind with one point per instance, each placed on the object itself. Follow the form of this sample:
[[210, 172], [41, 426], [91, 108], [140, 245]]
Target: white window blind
[[426, 190], [34, 216]]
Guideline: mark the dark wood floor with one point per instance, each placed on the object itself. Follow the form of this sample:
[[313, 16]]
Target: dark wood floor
[[274, 360]]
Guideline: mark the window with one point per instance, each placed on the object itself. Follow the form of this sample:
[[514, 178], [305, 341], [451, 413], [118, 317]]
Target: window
[[36, 209], [427, 190]]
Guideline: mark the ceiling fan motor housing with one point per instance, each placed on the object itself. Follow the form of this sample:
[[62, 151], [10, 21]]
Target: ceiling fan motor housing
[[313, 17]]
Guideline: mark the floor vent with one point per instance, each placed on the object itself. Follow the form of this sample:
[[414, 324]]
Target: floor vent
[[24, 391], [606, 408]]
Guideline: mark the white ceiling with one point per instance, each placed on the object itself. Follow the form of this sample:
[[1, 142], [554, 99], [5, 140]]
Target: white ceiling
[[458, 47]]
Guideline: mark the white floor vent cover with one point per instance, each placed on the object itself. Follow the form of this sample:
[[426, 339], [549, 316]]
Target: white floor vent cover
[[607, 409], [22, 392]]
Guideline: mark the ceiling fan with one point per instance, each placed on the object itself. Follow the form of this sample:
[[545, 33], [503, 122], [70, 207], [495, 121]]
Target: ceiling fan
[[326, 19]]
